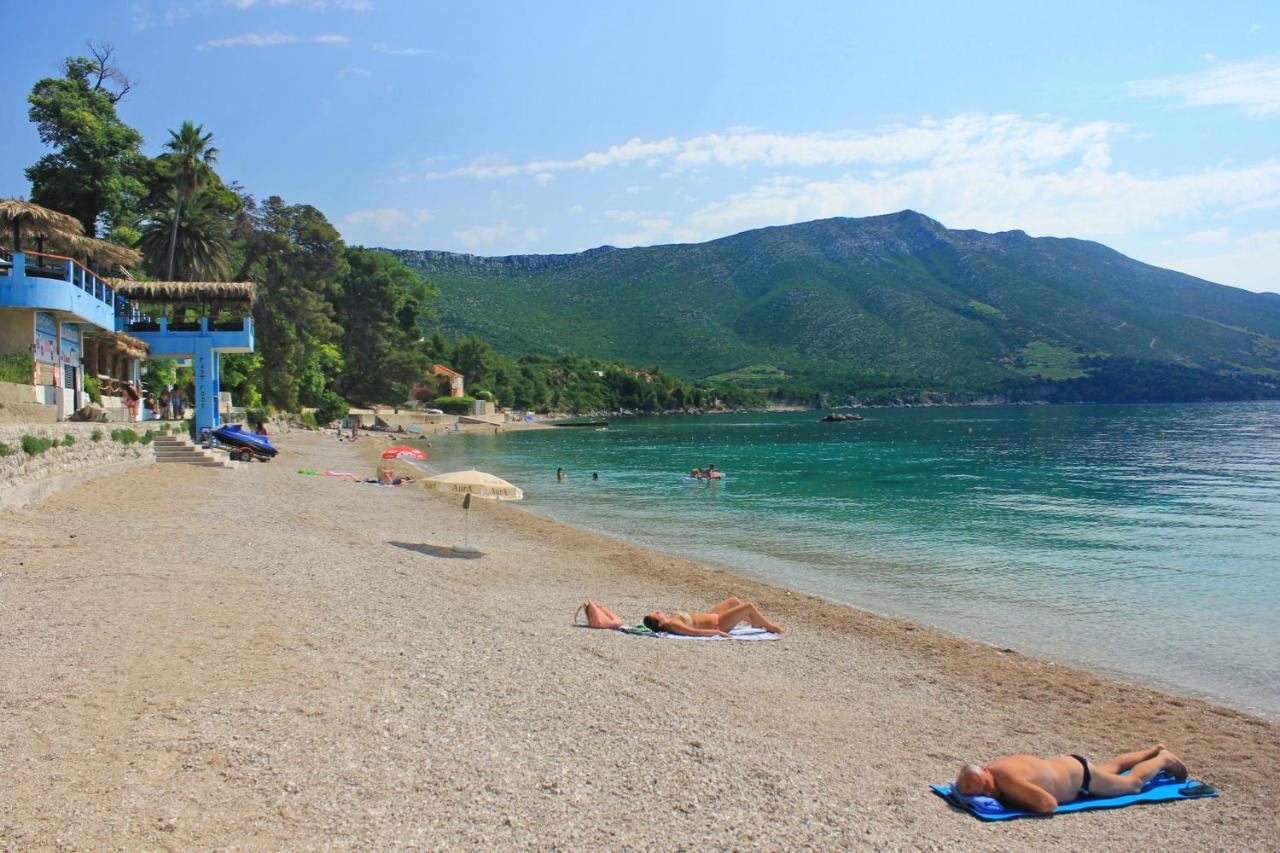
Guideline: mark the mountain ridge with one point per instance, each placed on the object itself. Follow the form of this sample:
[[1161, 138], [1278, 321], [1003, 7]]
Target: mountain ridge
[[891, 301]]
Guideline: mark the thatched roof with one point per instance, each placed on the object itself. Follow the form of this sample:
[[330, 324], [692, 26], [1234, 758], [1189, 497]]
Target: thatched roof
[[15, 213], [187, 291], [127, 344], [100, 251]]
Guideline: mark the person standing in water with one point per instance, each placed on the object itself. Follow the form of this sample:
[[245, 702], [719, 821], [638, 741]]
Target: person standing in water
[[560, 475]]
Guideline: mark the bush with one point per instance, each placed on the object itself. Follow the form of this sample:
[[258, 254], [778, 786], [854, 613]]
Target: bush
[[68, 440], [18, 367], [309, 420], [455, 405], [97, 435], [93, 389], [34, 446], [148, 436], [331, 408], [124, 436], [5, 450]]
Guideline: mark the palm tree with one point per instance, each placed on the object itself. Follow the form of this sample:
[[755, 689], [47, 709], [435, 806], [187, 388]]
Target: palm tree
[[202, 249], [190, 163]]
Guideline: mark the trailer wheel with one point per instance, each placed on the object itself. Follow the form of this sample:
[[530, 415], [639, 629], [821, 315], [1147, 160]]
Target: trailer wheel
[[246, 455]]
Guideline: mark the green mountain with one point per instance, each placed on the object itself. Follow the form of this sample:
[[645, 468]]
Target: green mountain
[[895, 302]]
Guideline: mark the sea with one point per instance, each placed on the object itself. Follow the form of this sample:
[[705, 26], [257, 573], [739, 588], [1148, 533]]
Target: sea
[[1140, 541]]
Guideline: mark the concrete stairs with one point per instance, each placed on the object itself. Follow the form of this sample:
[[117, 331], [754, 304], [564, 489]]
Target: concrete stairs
[[172, 449]]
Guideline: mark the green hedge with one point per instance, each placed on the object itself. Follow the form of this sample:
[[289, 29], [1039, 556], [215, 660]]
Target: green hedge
[[124, 436], [5, 450], [93, 389], [68, 440], [18, 367], [454, 405]]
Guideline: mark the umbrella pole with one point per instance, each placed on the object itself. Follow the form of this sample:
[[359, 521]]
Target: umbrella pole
[[466, 525]]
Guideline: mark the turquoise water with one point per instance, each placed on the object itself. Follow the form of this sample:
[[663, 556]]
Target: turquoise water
[[1142, 541]]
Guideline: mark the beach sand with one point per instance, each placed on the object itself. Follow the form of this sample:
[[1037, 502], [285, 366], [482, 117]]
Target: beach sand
[[252, 658]]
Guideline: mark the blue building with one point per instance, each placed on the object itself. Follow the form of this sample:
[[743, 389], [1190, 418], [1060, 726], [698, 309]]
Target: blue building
[[74, 321]]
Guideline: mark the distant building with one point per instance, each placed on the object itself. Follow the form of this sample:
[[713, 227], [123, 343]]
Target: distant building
[[440, 382]]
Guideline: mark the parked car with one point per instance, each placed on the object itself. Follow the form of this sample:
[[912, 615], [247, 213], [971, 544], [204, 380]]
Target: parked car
[[434, 411]]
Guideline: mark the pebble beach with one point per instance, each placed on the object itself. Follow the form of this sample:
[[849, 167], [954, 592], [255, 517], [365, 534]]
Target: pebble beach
[[206, 658]]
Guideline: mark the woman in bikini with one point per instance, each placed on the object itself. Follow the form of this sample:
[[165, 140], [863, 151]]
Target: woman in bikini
[[717, 623]]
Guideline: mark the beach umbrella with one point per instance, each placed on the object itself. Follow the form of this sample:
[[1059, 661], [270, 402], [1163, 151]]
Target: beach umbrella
[[15, 213], [472, 484], [404, 451]]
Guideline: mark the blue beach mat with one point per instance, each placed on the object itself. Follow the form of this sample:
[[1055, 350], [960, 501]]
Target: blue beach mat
[[741, 632], [1162, 789]]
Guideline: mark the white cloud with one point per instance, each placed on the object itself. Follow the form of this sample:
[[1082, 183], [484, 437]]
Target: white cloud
[[383, 47], [1251, 261], [636, 189], [511, 237], [1253, 85], [544, 178], [353, 71], [390, 220], [1010, 139], [249, 40], [269, 40], [313, 5]]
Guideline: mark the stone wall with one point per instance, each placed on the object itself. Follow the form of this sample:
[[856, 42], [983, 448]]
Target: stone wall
[[24, 479], [18, 406]]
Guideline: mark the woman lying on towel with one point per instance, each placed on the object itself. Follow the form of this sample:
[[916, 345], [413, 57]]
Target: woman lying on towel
[[717, 623]]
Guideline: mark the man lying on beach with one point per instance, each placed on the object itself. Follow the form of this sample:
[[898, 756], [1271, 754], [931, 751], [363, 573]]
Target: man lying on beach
[[1042, 784], [717, 623]]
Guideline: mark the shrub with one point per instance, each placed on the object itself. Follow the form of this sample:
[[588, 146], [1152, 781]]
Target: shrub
[[148, 436], [97, 435], [124, 436], [331, 408], [18, 367], [68, 440], [5, 450], [455, 405], [34, 445], [93, 389], [309, 420]]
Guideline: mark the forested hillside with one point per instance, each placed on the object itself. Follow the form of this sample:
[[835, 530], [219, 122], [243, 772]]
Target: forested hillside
[[884, 305]]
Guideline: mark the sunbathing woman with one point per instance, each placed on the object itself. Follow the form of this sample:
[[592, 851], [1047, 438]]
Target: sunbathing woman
[[717, 623]]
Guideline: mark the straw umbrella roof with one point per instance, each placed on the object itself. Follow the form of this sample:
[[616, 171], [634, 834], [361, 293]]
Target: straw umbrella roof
[[187, 291], [14, 213], [100, 251], [127, 344]]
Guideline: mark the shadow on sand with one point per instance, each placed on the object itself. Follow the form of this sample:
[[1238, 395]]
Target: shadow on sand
[[436, 551]]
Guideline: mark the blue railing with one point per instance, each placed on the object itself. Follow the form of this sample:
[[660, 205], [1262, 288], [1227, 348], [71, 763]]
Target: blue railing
[[36, 280]]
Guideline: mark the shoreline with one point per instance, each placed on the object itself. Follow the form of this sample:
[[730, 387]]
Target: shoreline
[[1174, 691], [333, 674]]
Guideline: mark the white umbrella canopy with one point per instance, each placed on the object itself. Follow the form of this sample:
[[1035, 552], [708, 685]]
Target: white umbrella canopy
[[472, 484], [476, 483]]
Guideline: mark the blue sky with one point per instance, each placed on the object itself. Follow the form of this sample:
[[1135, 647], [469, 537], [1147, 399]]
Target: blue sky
[[1153, 127]]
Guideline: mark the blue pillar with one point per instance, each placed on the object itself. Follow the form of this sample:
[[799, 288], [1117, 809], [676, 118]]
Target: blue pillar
[[217, 388], [206, 402]]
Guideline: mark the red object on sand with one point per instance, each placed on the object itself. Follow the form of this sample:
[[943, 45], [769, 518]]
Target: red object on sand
[[403, 451]]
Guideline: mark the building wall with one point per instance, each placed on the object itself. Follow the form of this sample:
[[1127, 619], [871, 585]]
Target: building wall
[[17, 330]]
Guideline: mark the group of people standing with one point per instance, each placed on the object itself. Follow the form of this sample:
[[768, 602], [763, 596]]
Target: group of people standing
[[169, 405]]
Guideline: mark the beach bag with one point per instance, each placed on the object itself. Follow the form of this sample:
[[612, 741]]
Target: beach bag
[[597, 617]]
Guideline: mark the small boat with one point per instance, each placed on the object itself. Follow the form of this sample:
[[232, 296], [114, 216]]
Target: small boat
[[245, 446], [580, 422]]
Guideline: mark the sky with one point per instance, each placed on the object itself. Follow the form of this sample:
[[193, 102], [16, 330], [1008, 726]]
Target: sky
[[534, 127]]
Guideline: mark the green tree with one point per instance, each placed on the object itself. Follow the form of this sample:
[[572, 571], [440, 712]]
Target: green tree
[[201, 250], [378, 309], [94, 171], [297, 258], [190, 162]]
